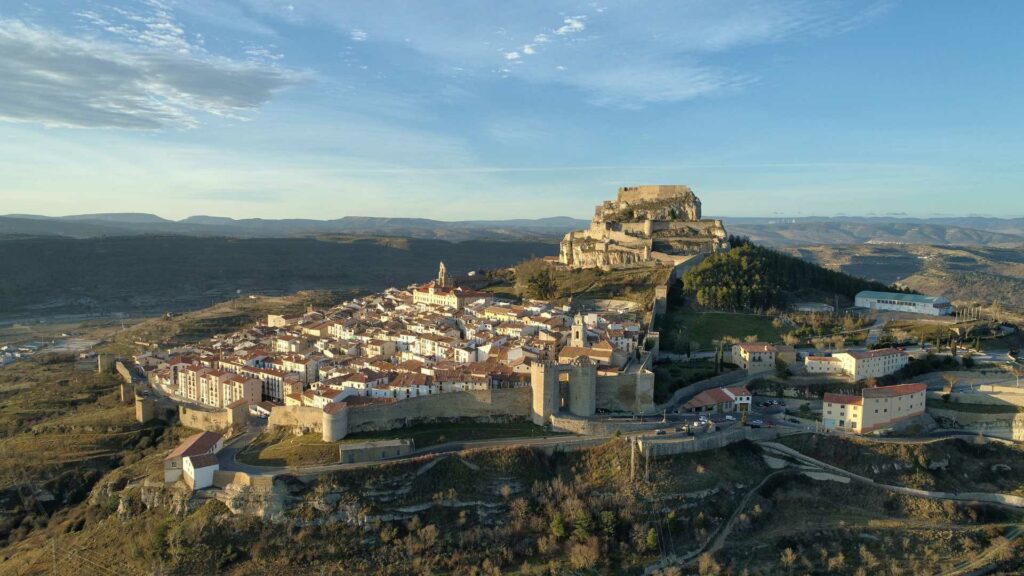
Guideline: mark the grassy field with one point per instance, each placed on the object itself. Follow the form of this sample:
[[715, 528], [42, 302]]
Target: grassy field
[[952, 465], [671, 376], [283, 449], [634, 284], [425, 435], [975, 408], [681, 326], [64, 430]]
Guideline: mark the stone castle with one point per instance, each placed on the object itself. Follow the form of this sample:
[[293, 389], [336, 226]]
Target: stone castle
[[644, 225]]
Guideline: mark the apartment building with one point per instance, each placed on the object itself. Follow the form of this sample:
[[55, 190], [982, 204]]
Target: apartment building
[[875, 409]]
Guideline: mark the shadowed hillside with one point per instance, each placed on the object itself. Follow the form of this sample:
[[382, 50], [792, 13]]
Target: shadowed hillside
[[154, 274]]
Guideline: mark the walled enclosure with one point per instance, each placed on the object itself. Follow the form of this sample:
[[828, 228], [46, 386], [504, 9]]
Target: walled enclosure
[[500, 405]]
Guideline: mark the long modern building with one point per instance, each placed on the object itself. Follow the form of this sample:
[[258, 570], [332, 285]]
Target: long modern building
[[899, 302], [875, 409], [859, 365]]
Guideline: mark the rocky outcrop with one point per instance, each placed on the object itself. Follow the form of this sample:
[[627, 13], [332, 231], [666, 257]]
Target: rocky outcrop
[[644, 225]]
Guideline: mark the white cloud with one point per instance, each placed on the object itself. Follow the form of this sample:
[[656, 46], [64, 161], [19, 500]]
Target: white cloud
[[572, 25], [595, 43], [359, 35], [155, 79], [652, 83]]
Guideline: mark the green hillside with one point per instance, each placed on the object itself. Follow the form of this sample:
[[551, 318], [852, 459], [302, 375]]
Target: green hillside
[[755, 278]]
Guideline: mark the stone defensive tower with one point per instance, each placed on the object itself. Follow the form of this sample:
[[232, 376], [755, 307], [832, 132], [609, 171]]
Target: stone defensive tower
[[583, 387], [546, 395], [145, 409], [335, 422]]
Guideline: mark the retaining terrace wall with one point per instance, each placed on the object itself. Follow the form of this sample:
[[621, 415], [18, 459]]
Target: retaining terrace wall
[[210, 421], [687, 392], [1009, 426], [672, 445], [305, 418], [502, 405]]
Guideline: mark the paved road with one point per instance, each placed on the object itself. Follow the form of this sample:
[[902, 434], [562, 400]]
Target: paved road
[[875, 332]]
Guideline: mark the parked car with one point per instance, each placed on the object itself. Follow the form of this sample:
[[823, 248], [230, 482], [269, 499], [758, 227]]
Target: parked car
[[730, 418], [659, 433]]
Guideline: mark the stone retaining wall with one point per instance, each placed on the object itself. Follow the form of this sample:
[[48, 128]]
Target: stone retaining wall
[[305, 418], [210, 421], [502, 405]]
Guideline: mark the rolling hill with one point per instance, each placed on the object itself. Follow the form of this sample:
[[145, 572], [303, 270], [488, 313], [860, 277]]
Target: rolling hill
[[155, 274], [966, 274]]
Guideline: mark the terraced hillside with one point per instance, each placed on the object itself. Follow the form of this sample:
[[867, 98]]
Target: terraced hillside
[[967, 275]]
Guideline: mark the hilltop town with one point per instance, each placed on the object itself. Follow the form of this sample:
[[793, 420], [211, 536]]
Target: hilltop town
[[591, 429]]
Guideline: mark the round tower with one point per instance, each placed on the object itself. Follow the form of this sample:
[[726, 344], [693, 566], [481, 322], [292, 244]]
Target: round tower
[[583, 387], [335, 421], [544, 381]]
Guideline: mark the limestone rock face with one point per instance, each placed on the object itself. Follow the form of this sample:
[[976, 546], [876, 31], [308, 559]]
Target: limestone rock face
[[644, 225]]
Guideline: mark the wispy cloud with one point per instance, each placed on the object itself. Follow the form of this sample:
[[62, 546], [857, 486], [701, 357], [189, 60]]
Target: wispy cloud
[[592, 48], [134, 70], [572, 25]]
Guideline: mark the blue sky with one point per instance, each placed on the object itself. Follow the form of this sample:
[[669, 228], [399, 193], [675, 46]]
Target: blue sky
[[470, 109]]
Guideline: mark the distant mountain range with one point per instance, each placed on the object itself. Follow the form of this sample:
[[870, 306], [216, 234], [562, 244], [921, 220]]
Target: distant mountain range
[[781, 232], [967, 231], [102, 225]]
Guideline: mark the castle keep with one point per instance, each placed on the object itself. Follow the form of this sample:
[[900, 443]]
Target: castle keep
[[644, 225]]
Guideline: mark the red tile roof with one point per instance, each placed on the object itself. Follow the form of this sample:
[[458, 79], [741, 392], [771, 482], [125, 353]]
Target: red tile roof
[[196, 444], [876, 353], [203, 460], [843, 399], [893, 391]]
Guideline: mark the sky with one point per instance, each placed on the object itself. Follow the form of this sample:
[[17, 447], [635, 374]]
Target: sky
[[472, 109]]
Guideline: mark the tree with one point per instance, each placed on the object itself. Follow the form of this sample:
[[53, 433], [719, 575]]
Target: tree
[[557, 526], [836, 563], [608, 523], [788, 558], [584, 555], [782, 369], [708, 566], [542, 284], [652, 539]]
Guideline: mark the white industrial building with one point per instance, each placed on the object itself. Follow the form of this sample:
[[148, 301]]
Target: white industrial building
[[899, 302]]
